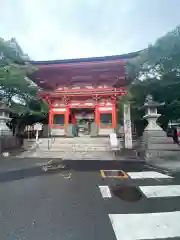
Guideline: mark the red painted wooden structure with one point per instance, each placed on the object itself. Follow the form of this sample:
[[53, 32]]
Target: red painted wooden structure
[[92, 83]]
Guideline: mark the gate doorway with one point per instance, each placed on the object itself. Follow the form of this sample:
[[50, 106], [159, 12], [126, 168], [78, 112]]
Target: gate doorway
[[82, 118]]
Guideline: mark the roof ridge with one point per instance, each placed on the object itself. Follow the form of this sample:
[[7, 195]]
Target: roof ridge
[[90, 59]]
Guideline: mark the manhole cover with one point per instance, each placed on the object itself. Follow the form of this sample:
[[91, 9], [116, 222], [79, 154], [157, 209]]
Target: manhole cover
[[127, 193]]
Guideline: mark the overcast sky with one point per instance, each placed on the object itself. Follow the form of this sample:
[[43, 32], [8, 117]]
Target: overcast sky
[[57, 29]]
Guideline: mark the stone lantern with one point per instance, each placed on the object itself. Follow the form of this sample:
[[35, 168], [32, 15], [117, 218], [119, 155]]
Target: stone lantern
[[155, 146], [4, 118], [151, 114]]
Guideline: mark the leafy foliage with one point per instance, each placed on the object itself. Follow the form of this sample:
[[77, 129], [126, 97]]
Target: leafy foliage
[[15, 87], [157, 71]]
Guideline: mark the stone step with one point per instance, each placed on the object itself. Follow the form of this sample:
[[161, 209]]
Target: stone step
[[74, 146], [76, 149], [160, 146], [67, 141], [75, 140], [71, 147], [73, 143], [70, 155], [79, 146], [83, 148]]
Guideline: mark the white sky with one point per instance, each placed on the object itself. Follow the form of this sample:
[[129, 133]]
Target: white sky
[[58, 29]]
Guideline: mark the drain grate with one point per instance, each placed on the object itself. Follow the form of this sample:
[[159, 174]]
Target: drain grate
[[128, 193], [113, 174]]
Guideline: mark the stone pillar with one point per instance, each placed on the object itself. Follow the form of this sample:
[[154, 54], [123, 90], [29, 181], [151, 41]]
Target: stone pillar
[[127, 126], [70, 130], [94, 129]]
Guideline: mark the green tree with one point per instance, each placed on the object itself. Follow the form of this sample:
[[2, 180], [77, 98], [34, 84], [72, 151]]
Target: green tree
[[157, 71], [15, 87]]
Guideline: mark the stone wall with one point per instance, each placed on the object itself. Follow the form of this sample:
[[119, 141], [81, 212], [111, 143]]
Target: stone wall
[[9, 143]]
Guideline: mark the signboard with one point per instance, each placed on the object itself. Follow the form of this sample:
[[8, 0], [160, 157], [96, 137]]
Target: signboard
[[84, 116], [127, 126], [37, 126], [105, 108], [59, 109]]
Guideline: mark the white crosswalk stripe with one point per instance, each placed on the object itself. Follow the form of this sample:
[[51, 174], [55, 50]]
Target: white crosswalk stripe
[[147, 225], [105, 191], [147, 174], [161, 191]]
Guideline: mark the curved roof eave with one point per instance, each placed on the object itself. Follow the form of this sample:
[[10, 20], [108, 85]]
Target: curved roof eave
[[91, 59]]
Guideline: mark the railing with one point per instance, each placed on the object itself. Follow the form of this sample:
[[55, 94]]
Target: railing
[[85, 91]]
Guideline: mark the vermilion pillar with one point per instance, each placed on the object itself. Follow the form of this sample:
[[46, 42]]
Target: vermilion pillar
[[96, 115], [114, 118]]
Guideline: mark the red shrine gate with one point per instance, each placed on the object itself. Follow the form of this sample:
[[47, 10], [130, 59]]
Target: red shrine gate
[[101, 101], [90, 84]]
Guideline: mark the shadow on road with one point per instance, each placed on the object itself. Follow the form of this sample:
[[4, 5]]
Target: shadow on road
[[77, 165], [127, 192], [58, 166], [20, 174]]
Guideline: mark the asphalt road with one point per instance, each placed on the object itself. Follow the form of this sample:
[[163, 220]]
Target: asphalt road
[[79, 204]]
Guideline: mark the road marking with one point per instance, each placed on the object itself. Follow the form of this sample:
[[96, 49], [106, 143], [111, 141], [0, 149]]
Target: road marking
[[146, 225], [148, 174], [113, 174], [161, 191], [105, 191], [102, 173]]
